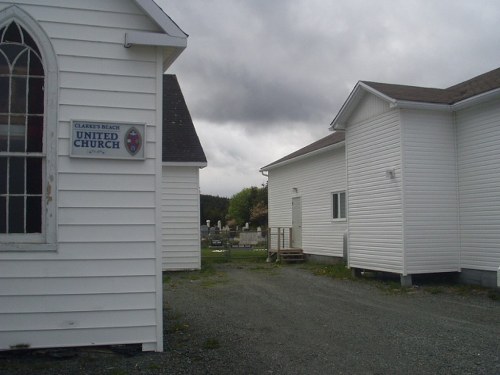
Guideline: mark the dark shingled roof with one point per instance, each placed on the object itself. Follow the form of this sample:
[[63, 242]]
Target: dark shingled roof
[[180, 142], [475, 86], [322, 143]]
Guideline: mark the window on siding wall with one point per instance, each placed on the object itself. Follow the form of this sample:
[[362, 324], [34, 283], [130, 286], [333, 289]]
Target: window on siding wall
[[338, 205], [22, 154]]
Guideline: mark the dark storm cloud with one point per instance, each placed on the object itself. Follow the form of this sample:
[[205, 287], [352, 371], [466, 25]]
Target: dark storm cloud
[[256, 68], [274, 62], [249, 97], [270, 75]]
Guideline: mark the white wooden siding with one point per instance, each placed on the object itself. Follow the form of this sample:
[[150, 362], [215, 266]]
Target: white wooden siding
[[375, 209], [100, 286], [369, 106], [478, 142], [181, 218], [316, 178], [431, 226]]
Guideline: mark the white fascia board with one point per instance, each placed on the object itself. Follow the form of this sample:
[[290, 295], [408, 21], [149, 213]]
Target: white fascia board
[[484, 97], [161, 18], [301, 157], [197, 164], [403, 104], [154, 39], [352, 101], [371, 90]]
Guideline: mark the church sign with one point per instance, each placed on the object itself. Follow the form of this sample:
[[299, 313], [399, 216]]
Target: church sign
[[110, 140]]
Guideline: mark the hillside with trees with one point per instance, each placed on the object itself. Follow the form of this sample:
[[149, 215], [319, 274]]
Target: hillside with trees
[[247, 206]]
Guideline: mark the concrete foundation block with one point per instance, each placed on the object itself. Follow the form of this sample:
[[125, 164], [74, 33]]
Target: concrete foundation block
[[406, 281], [479, 277]]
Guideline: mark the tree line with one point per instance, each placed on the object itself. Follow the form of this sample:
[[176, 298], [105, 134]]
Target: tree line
[[247, 206]]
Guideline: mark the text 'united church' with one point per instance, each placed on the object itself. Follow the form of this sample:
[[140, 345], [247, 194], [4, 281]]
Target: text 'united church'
[[97, 139]]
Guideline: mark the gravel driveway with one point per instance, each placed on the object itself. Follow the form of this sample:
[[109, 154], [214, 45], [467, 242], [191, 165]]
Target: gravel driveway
[[262, 319], [288, 321]]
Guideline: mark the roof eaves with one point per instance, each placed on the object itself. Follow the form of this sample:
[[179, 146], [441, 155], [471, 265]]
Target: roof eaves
[[156, 13], [408, 104], [352, 101], [172, 38], [197, 164], [476, 99], [282, 163]]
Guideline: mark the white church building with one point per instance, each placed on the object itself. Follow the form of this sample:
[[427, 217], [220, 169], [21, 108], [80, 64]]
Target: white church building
[[81, 171]]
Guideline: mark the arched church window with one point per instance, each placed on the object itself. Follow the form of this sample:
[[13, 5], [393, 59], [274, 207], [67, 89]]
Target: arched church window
[[22, 154]]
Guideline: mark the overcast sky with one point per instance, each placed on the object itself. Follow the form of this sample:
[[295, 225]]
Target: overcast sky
[[263, 78]]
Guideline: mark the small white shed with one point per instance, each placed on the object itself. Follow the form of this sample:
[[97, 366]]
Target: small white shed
[[306, 192], [423, 178], [80, 171], [183, 156]]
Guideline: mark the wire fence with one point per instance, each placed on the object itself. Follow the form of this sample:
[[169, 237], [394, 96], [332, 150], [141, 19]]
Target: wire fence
[[226, 245]]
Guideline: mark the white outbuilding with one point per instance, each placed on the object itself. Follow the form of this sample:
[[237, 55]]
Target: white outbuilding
[[183, 156], [306, 193], [422, 180], [81, 171]]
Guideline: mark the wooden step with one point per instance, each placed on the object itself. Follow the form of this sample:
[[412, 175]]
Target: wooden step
[[291, 255]]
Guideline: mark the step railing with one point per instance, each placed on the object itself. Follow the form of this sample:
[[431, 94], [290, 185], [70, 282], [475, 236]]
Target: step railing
[[279, 240]]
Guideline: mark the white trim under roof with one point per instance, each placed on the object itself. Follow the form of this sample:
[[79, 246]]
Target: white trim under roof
[[198, 164], [303, 156], [352, 101], [406, 104], [153, 39], [358, 91], [485, 96], [161, 18]]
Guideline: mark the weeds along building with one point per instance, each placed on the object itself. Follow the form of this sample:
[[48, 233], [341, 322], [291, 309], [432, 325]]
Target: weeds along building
[[81, 171]]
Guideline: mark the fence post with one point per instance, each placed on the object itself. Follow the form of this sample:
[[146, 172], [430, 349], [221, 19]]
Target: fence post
[[227, 246], [268, 260]]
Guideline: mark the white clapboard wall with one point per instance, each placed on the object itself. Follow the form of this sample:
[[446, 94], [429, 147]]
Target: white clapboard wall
[[180, 218], [313, 179], [99, 287]]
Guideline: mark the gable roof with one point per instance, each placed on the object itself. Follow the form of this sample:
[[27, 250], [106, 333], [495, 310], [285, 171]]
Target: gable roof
[[402, 95], [180, 143], [156, 13], [172, 39], [335, 138]]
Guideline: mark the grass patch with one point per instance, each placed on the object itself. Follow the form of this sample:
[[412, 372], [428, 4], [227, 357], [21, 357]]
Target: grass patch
[[211, 282], [179, 327], [166, 278], [265, 267], [154, 366], [335, 271], [207, 276], [435, 289], [391, 286], [208, 269], [494, 294], [117, 371], [468, 290], [233, 254], [211, 344]]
